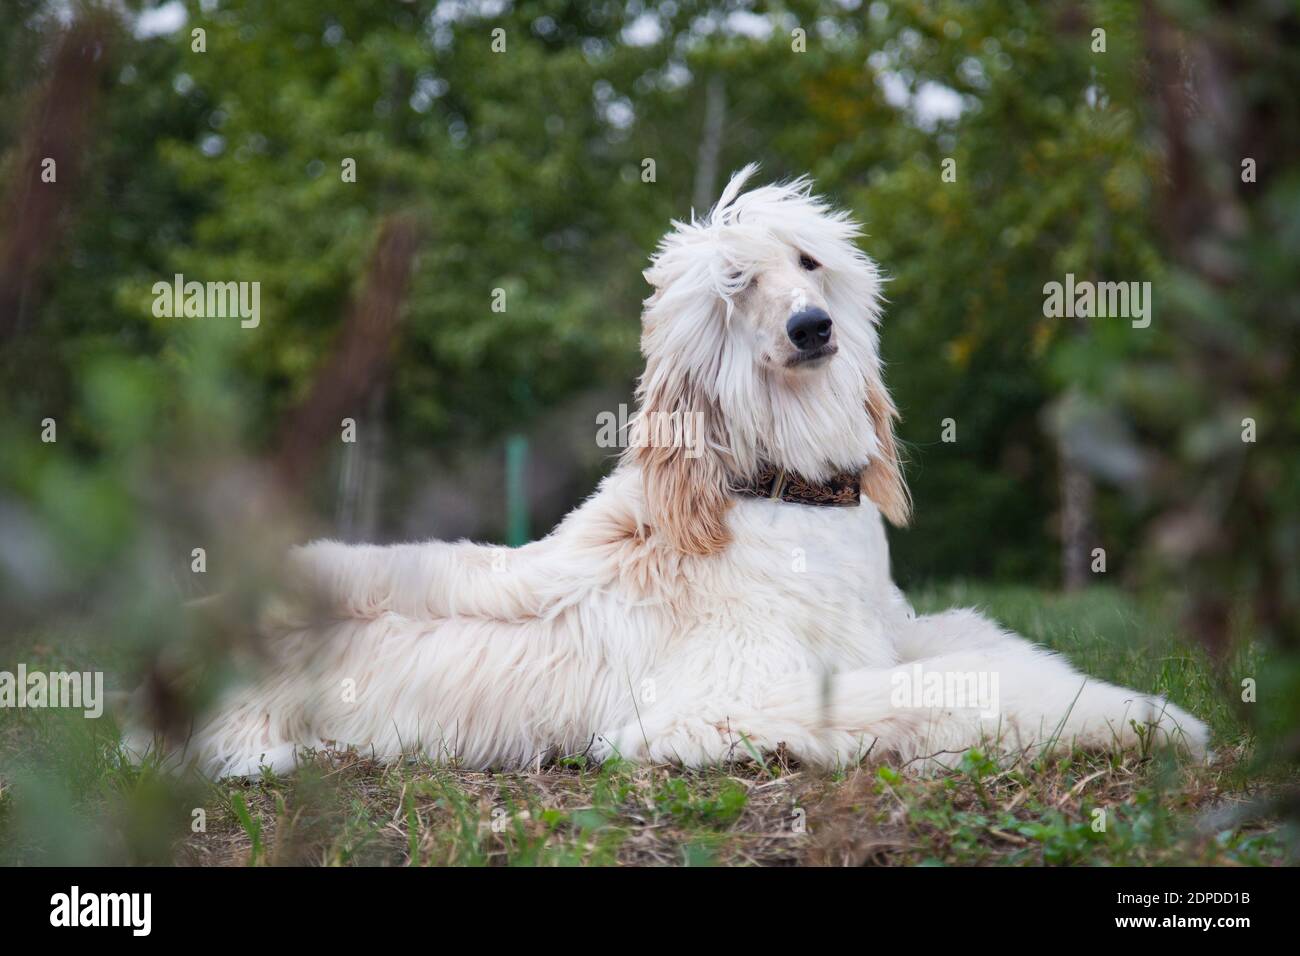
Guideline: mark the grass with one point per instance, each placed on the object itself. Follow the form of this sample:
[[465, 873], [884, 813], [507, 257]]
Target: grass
[[66, 797]]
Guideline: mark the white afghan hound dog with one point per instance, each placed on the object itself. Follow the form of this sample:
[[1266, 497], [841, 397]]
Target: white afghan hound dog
[[724, 593]]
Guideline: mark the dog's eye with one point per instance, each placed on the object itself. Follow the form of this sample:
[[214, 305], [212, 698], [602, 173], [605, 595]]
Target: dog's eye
[[808, 262]]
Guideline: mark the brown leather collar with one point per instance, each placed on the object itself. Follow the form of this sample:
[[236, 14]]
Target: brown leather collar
[[844, 490]]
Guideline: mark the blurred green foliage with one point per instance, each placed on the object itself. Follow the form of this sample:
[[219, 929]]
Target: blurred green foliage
[[525, 169]]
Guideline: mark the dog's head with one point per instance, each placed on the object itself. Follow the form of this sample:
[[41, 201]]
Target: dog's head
[[761, 346]]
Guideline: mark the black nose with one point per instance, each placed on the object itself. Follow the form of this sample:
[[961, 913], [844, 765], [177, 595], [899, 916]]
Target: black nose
[[809, 329]]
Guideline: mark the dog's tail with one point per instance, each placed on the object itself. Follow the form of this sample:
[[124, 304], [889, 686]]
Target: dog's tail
[[432, 580]]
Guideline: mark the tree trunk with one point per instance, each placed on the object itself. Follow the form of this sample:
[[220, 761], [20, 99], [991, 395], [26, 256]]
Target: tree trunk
[[360, 476], [1077, 494], [706, 161]]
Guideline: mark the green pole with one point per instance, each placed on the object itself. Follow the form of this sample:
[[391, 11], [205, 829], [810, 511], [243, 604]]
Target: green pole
[[516, 496]]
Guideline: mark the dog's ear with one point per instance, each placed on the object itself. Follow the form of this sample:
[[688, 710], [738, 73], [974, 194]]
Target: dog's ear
[[674, 441], [882, 478]]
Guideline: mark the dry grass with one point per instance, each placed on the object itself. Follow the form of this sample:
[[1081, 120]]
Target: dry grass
[[348, 810]]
